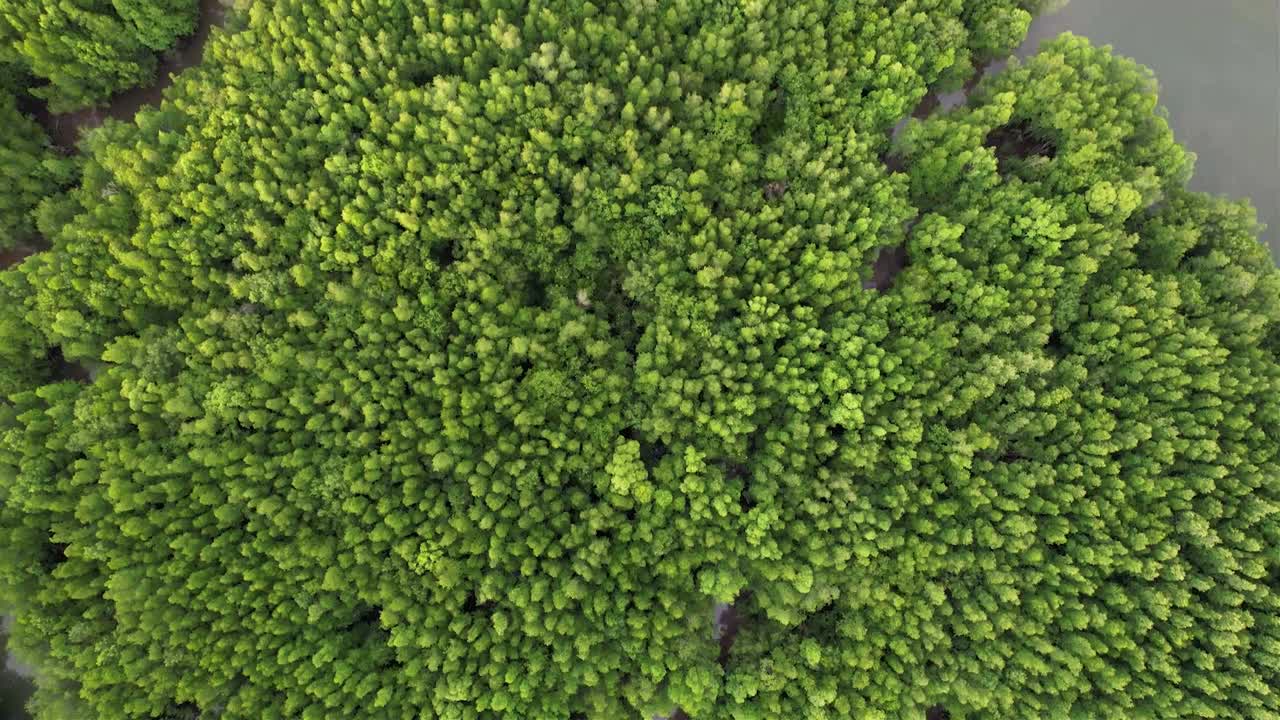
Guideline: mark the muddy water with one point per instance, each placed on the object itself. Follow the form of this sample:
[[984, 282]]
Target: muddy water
[[1218, 67], [67, 128], [15, 255]]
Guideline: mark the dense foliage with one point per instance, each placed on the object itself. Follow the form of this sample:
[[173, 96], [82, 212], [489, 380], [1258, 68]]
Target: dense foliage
[[1063, 442], [454, 359], [90, 49], [27, 172], [31, 170]]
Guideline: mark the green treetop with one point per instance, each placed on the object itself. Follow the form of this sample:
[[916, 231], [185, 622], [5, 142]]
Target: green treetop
[[457, 358], [87, 50]]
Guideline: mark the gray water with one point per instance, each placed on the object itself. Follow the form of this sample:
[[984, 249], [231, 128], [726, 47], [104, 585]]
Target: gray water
[[15, 679], [1218, 63]]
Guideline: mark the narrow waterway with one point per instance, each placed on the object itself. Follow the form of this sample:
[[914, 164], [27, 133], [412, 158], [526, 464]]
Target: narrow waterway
[[15, 255]]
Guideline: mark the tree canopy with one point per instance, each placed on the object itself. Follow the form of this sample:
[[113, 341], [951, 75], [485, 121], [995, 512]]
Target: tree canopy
[[86, 50], [456, 359], [29, 172]]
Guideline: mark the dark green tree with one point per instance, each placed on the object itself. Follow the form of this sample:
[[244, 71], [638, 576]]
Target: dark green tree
[[157, 23], [30, 171]]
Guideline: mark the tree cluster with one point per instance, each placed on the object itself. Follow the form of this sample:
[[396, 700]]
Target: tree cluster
[[29, 172], [455, 359], [87, 50], [1057, 469]]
